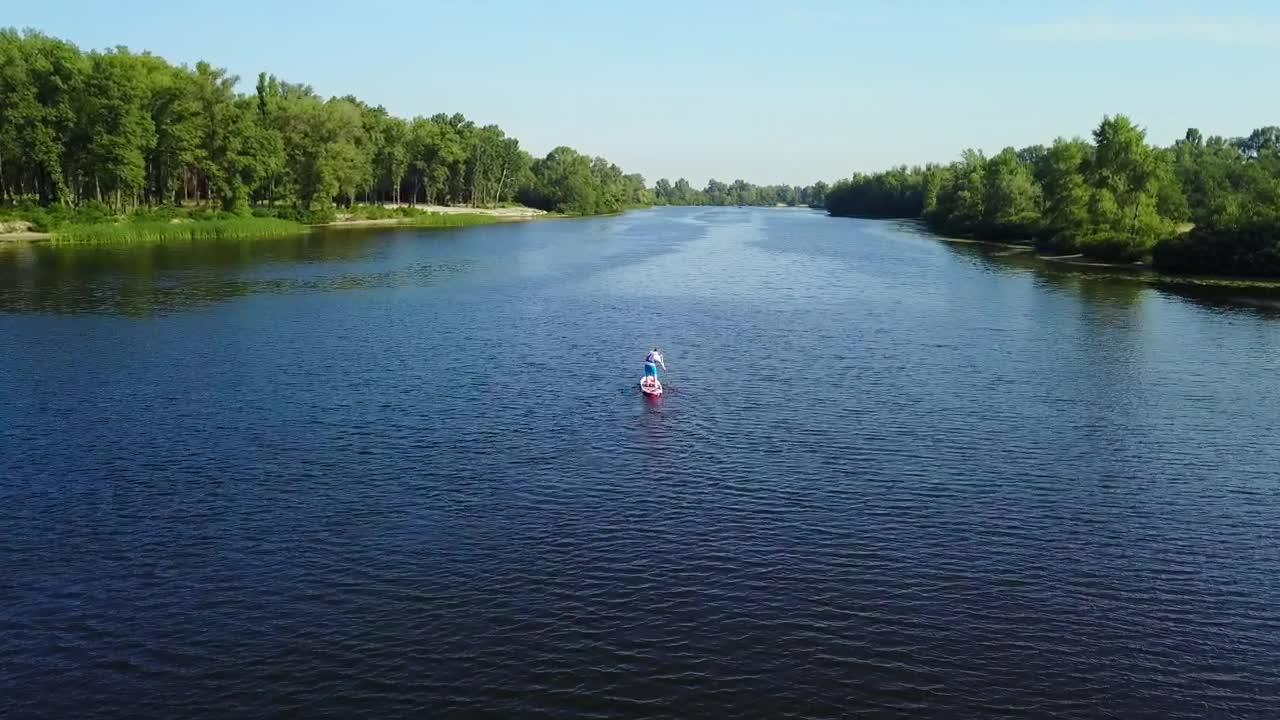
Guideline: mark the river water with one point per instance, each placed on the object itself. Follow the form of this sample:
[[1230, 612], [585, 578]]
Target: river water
[[406, 472]]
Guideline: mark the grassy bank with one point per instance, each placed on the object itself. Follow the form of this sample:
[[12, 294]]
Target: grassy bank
[[215, 229], [94, 222], [423, 215]]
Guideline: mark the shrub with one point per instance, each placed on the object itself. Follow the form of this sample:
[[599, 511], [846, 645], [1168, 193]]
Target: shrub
[[1252, 250], [1097, 243]]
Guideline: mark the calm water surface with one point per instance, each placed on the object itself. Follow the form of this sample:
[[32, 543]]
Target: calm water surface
[[404, 472]]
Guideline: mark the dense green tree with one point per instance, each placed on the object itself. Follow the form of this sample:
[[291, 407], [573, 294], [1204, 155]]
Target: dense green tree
[[1012, 197], [564, 181], [132, 129], [815, 195], [347, 155], [1066, 194], [1124, 172], [1261, 142], [114, 126], [933, 179], [684, 193], [174, 115], [435, 153], [740, 192], [1114, 198], [40, 84], [216, 113], [264, 143], [961, 204], [663, 192], [391, 158], [496, 164]]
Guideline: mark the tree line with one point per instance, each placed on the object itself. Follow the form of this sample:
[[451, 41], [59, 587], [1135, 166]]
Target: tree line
[[739, 192], [129, 130], [1200, 205]]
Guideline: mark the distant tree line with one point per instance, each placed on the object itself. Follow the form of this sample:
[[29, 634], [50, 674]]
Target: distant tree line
[[129, 130], [739, 192], [1202, 205]]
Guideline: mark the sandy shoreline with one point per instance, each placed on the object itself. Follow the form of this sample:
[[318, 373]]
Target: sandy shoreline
[[992, 243], [511, 214], [19, 230], [500, 212], [24, 237], [1082, 261], [1077, 259]]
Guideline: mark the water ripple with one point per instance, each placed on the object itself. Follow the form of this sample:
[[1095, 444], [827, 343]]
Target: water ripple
[[897, 480]]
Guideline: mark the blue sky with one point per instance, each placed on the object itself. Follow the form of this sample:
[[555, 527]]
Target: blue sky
[[767, 92]]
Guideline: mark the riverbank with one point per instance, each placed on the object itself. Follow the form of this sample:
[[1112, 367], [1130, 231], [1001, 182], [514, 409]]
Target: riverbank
[[1136, 271], [1080, 260], [24, 237], [432, 216], [19, 231], [186, 227], [1076, 259], [509, 212], [178, 231]]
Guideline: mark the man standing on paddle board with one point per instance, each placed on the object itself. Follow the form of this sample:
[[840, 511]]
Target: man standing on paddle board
[[652, 361]]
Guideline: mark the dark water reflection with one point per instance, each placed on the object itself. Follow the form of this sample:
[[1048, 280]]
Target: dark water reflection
[[1117, 285], [409, 473], [165, 277]]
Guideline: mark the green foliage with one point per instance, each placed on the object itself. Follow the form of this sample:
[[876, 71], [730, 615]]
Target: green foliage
[[379, 212], [115, 126], [1114, 199], [40, 86], [1250, 249], [44, 219], [569, 182], [896, 193], [740, 192], [1101, 245], [305, 216], [40, 219], [962, 196], [1065, 190], [130, 130], [1011, 197]]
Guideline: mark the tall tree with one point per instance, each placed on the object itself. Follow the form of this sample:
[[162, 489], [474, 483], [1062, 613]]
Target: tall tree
[[391, 158], [217, 117], [1066, 194], [40, 82], [115, 127], [1011, 197], [1124, 172]]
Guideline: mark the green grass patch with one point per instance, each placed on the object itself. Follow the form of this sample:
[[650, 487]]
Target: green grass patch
[[151, 231]]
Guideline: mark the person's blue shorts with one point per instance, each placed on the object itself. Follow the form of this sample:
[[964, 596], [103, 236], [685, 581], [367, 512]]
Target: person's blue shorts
[[651, 369]]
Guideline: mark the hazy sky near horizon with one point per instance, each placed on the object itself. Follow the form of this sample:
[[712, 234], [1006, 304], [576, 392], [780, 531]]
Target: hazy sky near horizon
[[769, 92]]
